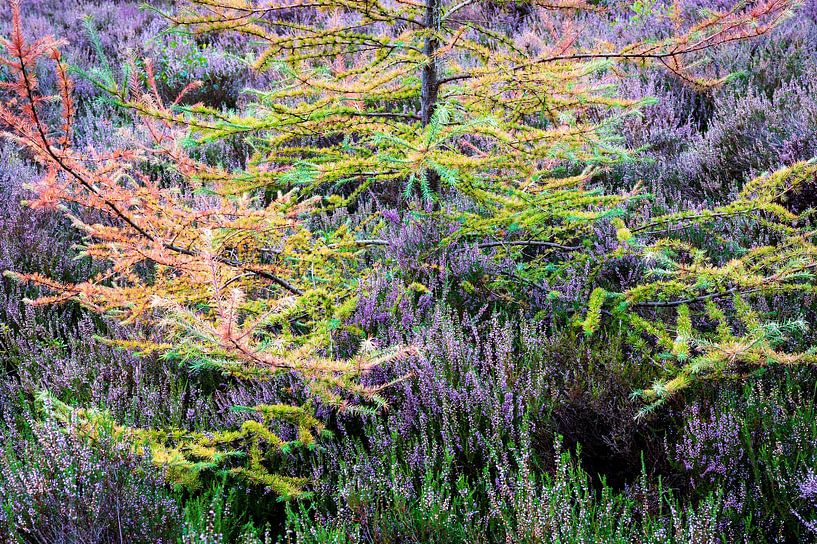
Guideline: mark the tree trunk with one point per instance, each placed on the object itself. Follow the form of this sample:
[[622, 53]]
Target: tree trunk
[[430, 85], [428, 92]]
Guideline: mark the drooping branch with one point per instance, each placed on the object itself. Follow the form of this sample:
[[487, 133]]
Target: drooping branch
[[63, 159]]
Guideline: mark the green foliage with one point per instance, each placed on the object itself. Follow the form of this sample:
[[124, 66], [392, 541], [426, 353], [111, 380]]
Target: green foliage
[[754, 442], [726, 352], [723, 293], [565, 507], [597, 299], [247, 452], [220, 515]]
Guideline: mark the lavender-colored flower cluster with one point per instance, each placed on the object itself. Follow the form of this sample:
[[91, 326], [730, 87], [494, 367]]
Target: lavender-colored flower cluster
[[57, 487]]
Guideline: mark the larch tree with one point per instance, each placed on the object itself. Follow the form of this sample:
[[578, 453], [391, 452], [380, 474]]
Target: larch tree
[[515, 116], [431, 96], [397, 96], [233, 284], [436, 97]]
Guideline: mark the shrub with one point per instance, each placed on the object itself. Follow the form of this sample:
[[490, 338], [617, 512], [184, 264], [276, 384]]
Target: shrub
[[58, 488], [755, 444]]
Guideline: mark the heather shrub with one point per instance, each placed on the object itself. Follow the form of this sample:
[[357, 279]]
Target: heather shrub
[[756, 445], [380, 505], [134, 27], [219, 516], [701, 144], [60, 352], [58, 488], [31, 239], [747, 132], [479, 420], [752, 133], [217, 63], [105, 36]]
